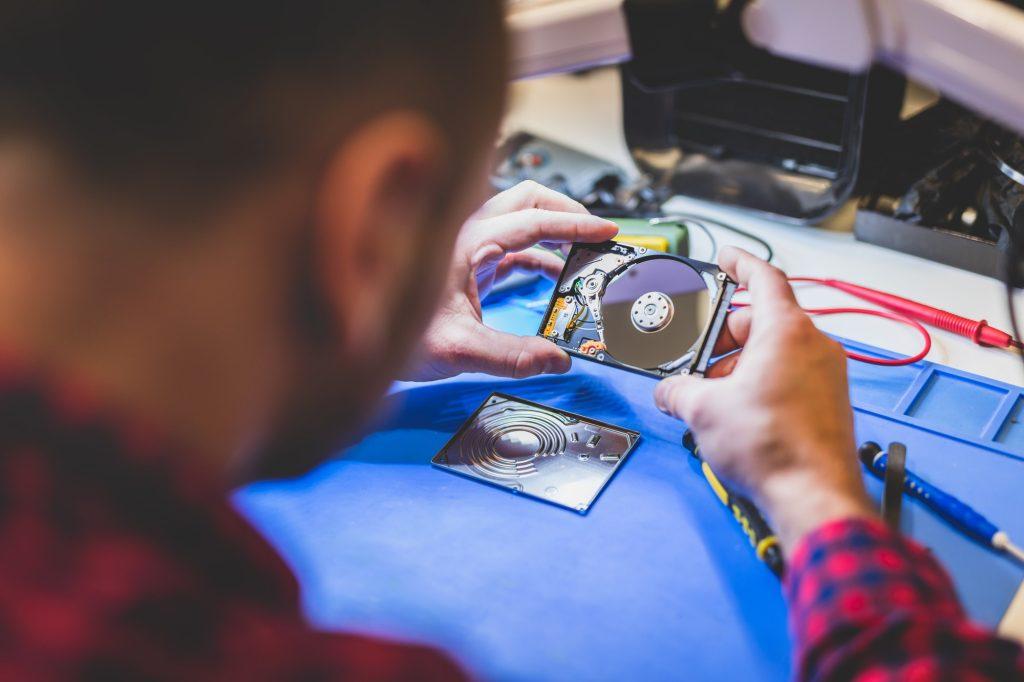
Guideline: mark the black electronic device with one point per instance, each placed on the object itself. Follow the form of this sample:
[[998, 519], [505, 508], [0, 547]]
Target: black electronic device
[[709, 115], [951, 189]]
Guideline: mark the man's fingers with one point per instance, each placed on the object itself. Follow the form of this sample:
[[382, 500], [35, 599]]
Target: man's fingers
[[677, 396], [734, 333], [723, 367], [507, 355], [768, 287], [521, 230], [532, 260], [529, 194]]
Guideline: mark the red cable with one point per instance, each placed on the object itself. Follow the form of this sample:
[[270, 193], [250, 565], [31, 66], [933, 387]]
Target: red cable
[[887, 362]]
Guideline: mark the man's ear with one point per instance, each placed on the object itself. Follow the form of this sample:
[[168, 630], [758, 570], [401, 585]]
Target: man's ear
[[377, 197]]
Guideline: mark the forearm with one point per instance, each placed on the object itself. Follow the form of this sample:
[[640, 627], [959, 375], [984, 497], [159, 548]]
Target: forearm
[[801, 501], [866, 604]]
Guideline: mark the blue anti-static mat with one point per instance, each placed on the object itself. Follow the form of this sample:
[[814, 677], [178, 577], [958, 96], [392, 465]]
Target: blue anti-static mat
[[655, 582]]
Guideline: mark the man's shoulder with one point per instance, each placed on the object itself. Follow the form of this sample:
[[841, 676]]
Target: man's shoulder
[[117, 562], [83, 594]]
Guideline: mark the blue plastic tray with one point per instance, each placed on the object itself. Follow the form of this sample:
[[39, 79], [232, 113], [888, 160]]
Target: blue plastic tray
[[655, 582]]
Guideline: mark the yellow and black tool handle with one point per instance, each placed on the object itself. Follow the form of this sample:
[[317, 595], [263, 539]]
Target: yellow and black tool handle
[[746, 513]]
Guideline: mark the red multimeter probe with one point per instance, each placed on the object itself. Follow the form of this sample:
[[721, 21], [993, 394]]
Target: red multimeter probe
[[911, 313]]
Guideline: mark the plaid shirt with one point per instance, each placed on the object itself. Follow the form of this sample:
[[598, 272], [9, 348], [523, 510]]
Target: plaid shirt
[[116, 562], [868, 605]]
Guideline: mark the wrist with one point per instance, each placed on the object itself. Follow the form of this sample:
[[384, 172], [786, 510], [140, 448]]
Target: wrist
[[800, 502]]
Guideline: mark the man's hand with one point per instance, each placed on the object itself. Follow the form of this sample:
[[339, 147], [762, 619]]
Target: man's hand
[[774, 419], [496, 241]]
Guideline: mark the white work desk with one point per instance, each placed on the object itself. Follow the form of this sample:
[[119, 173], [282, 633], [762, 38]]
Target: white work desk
[[585, 112]]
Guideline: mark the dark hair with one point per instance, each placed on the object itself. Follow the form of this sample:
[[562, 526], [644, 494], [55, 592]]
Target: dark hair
[[199, 94]]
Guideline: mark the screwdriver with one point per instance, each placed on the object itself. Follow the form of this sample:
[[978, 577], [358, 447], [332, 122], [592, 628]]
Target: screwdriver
[[761, 536], [953, 511]]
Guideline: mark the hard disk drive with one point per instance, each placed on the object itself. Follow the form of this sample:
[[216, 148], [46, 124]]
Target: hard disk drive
[[538, 451], [645, 311]]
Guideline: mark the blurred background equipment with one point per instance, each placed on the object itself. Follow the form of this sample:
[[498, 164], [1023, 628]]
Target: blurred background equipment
[[565, 35], [796, 109]]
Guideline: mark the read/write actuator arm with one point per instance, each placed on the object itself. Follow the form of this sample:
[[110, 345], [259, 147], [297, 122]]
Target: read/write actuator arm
[[970, 50]]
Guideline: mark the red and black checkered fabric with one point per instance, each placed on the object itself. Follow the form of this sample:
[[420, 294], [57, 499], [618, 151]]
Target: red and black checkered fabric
[[868, 605], [116, 562]]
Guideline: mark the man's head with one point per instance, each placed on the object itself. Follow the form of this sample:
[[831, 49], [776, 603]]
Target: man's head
[[261, 194]]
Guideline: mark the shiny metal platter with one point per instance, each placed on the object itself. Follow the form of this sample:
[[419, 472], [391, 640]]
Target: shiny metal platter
[[528, 448]]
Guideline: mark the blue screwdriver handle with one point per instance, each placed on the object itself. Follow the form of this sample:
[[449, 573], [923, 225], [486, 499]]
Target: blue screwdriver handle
[[955, 512]]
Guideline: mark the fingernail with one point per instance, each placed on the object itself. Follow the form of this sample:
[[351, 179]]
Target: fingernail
[[559, 365], [658, 399]]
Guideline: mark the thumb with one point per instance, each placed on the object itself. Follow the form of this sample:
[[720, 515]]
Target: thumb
[[508, 355], [679, 395]]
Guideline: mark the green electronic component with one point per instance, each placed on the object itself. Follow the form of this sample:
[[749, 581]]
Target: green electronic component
[[668, 237]]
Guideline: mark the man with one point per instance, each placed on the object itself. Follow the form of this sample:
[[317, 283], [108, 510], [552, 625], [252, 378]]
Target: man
[[220, 230]]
